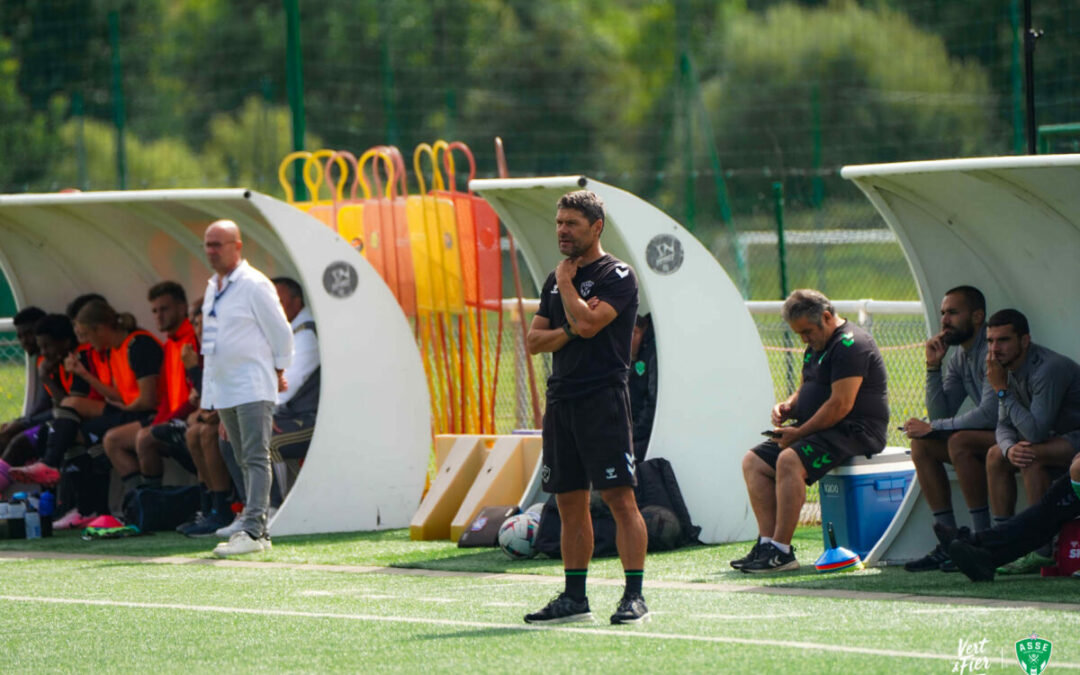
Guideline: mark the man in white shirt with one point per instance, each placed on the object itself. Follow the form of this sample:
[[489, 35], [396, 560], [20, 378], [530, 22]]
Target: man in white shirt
[[294, 416], [247, 344]]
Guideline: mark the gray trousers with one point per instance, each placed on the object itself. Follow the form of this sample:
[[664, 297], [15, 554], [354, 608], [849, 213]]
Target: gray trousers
[[249, 427]]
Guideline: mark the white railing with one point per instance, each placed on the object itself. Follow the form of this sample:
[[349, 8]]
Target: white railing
[[864, 310]]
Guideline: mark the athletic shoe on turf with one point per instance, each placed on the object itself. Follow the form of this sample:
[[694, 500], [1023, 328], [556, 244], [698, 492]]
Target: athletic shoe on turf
[[973, 561], [232, 528], [205, 525], [563, 609], [266, 543], [38, 472], [738, 564], [949, 566], [772, 559], [931, 561], [240, 543], [67, 520], [1028, 564], [1076, 574], [631, 610]]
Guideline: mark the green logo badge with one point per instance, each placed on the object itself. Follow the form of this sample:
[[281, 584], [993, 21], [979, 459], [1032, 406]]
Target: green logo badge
[[806, 359], [639, 367], [822, 461], [1033, 653], [807, 449], [848, 339]]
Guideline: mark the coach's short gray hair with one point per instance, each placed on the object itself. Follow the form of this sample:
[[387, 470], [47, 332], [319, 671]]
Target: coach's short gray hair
[[807, 303]]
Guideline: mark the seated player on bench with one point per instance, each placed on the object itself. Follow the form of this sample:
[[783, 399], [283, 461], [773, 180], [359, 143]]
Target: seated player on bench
[[55, 340], [25, 321], [134, 452], [1038, 392], [961, 439], [839, 411]]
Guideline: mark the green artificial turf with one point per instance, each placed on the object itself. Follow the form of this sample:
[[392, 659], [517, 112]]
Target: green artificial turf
[[108, 616]]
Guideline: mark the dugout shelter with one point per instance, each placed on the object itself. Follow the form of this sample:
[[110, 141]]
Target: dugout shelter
[[713, 378], [366, 464], [1009, 226]]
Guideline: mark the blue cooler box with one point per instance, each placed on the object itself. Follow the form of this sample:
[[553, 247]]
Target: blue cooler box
[[861, 497]]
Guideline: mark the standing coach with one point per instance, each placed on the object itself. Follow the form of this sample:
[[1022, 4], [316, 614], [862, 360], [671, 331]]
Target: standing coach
[[248, 344], [588, 306]]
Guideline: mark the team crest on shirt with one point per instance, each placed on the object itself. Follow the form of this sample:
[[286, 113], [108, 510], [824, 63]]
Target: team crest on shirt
[[848, 339], [586, 288]]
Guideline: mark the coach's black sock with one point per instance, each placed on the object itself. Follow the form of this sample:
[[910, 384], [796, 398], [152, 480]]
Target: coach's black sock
[[204, 499], [152, 481], [1000, 520], [945, 518], [980, 519], [633, 582], [575, 583]]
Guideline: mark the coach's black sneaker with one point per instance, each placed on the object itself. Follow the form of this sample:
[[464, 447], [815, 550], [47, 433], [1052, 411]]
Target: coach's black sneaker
[[631, 610], [931, 561], [949, 566], [973, 561], [738, 564], [772, 559], [563, 609]]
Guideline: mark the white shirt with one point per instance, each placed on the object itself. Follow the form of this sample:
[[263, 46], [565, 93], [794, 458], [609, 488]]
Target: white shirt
[[246, 338], [305, 357]]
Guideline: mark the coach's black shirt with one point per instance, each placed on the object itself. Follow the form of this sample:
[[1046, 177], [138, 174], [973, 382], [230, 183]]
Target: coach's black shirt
[[585, 365], [850, 352]]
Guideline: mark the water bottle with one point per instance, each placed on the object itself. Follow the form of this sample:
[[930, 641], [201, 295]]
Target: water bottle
[[46, 509], [32, 519]]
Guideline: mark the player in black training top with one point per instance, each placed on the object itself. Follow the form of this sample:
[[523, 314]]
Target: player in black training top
[[840, 410], [586, 319]]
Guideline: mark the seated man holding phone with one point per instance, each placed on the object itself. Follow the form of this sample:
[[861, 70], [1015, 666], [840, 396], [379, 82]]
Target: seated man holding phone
[[839, 411]]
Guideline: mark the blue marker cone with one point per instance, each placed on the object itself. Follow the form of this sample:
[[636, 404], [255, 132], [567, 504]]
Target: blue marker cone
[[836, 558]]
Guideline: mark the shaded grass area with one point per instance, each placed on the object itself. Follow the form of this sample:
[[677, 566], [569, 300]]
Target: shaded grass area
[[701, 564]]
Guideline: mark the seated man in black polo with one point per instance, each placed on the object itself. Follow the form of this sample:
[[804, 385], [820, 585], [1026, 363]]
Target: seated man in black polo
[[841, 410]]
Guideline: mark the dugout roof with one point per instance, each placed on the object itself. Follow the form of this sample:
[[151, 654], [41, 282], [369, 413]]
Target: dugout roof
[[367, 461], [1007, 225]]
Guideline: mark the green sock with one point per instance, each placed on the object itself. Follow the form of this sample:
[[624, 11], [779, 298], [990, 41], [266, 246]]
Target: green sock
[[633, 582], [1076, 487]]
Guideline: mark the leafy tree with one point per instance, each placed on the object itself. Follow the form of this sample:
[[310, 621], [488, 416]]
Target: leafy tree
[[25, 135]]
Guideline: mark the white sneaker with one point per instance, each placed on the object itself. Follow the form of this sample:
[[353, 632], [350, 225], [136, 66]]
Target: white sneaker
[[232, 528], [239, 544], [266, 543]]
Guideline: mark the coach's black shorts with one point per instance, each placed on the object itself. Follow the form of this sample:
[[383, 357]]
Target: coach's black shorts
[[588, 440], [822, 452]]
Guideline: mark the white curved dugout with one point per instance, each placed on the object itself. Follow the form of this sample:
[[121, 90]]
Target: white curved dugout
[[367, 461], [1007, 225], [715, 390]]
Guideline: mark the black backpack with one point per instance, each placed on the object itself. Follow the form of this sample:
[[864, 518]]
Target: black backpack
[[161, 508]]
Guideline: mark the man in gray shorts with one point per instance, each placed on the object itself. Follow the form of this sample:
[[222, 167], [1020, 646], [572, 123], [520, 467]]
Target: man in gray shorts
[[840, 410], [1038, 393]]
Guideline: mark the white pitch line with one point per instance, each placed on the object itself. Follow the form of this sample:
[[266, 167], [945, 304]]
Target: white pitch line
[[454, 623]]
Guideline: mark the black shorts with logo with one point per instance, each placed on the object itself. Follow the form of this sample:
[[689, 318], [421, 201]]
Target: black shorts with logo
[[822, 452], [588, 440]]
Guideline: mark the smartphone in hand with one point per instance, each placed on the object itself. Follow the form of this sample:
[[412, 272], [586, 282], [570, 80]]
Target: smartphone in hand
[[770, 433]]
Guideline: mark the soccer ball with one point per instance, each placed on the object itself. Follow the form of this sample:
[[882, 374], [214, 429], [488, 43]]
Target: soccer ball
[[517, 534]]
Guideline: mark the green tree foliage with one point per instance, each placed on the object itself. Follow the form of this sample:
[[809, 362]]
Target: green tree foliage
[[25, 135], [888, 91], [161, 163]]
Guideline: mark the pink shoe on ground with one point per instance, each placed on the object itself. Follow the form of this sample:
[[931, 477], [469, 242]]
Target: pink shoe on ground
[[38, 472], [67, 520]]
